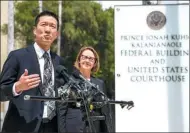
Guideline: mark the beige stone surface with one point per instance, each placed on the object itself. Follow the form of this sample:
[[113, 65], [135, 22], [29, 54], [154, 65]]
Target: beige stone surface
[[4, 20]]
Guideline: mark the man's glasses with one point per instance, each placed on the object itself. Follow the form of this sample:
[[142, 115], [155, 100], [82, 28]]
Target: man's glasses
[[91, 59]]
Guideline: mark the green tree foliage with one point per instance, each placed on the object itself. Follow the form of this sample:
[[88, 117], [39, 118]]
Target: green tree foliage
[[84, 23]]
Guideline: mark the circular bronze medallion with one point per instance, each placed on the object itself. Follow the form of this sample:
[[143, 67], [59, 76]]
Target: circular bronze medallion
[[156, 20]]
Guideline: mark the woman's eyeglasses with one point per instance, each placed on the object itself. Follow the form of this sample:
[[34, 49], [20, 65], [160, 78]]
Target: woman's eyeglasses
[[91, 59]]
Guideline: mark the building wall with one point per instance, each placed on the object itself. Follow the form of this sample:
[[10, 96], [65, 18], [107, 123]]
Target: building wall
[[4, 20]]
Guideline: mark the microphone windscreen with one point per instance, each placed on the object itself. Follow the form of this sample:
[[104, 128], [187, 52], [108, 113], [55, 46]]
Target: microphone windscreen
[[60, 68]]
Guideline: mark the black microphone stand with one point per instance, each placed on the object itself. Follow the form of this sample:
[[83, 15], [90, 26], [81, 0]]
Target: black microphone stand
[[86, 103], [86, 115]]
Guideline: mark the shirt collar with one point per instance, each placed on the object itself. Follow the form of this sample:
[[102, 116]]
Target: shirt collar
[[40, 51]]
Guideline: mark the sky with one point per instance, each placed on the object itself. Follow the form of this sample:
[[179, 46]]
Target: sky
[[107, 4]]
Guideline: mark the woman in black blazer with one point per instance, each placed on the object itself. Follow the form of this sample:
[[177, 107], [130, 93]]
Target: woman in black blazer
[[87, 63]]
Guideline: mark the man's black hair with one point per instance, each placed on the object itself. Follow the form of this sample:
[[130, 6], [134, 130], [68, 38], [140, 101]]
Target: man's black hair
[[47, 13]]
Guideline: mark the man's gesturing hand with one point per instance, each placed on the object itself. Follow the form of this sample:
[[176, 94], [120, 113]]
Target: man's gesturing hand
[[27, 82]]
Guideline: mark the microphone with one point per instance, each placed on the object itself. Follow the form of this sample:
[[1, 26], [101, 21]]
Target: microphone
[[77, 73], [71, 82], [63, 71]]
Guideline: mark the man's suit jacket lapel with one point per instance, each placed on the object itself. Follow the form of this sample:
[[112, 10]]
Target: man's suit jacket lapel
[[55, 62], [36, 65]]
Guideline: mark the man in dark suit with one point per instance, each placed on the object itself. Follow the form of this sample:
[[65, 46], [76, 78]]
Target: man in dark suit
[[30, 71]]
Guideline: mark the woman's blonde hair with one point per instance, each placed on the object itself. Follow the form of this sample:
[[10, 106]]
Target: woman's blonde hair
[[96, 64]]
